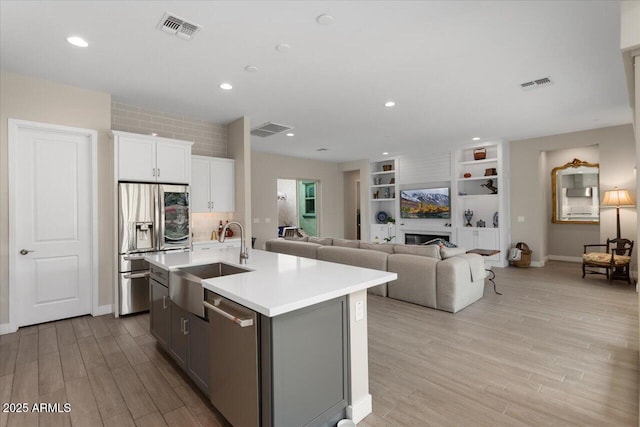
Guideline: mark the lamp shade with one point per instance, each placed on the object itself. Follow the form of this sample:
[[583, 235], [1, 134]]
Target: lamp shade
[[617, 197]]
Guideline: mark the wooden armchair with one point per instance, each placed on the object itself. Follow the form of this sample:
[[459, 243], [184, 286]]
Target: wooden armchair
[[615, 260]]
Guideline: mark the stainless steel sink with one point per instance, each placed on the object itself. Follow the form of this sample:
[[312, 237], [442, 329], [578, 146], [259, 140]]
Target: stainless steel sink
[[208, 271], [186, 290]]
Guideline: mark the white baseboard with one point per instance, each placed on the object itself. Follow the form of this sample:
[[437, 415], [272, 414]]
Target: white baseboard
[[565, 258], [103, 309], [360, 409], [6, 328]]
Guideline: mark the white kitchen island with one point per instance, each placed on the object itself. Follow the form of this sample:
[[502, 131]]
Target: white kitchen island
[[279, 285]]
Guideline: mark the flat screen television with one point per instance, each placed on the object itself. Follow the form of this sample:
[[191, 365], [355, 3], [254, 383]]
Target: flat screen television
[[425, 203]]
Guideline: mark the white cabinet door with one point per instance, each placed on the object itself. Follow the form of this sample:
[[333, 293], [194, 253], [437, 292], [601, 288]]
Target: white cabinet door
[[173, 160], [136, 159], [222, 185], [467, 238], [480, 238], [200, 185]]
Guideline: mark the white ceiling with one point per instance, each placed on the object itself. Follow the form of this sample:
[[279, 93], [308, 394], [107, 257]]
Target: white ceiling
[[453, 68]]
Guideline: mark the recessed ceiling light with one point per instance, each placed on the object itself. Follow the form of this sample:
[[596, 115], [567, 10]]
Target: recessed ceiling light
[[154, 134], [226, 86], [283, 48], [77, 41], [389, 104], [324, 19], [475, 138], [251, 68], [385, 153], [290, 134]]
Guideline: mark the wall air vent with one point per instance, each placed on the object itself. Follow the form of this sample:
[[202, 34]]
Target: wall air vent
[[176, 26], [269, 128], [545, 81]]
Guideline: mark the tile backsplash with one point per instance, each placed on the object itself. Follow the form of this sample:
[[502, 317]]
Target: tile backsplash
[[204, 223]]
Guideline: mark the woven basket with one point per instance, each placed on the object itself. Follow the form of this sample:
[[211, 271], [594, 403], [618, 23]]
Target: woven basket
[[479, 154], [525, 256]]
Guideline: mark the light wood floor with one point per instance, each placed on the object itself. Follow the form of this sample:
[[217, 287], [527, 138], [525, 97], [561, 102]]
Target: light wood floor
[[553, 350], [108, 369]]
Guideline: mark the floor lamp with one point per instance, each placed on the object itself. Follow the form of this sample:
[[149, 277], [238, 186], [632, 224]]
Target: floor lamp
[[616, 198]]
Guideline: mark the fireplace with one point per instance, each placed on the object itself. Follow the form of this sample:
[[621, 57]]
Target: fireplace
[[419, 239]]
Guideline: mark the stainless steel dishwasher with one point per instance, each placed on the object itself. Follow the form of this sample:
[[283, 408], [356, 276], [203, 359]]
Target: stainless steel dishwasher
[[234, 360]]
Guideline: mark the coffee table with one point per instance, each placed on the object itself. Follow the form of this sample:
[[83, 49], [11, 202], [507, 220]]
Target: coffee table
[[488, 252]]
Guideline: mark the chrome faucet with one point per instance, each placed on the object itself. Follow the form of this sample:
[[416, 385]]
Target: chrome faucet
[[244, 255]]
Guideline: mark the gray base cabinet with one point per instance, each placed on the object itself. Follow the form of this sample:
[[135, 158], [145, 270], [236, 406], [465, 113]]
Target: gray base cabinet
[[189, 345], [182, 334], [179, 345], [160, 318], [198, 359], [304, 366]]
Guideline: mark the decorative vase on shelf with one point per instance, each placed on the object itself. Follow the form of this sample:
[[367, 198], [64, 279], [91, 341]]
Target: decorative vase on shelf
[[468, 214]]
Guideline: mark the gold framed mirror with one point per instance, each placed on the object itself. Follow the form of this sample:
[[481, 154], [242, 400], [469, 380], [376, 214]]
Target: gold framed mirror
[[575, 191]]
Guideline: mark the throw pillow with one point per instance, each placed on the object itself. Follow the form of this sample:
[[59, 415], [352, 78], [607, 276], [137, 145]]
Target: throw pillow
[[440, 242], [432, 251], [299, 239]]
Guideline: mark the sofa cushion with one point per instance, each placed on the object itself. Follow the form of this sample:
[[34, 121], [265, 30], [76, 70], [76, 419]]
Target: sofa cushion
[[324, 241], [446, 252], [384, 247], [432, 251], [346, 243], [357, 257], [293, 247]]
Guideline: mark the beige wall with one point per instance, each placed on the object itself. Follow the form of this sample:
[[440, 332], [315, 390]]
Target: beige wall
[[529, 196], [267, 168], [567, 240], [26, 98]]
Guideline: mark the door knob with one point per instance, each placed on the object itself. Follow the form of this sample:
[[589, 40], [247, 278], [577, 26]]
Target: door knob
[[24, 251]]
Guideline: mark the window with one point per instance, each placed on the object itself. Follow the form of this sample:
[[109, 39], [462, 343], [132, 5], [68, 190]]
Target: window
[[309, 199]]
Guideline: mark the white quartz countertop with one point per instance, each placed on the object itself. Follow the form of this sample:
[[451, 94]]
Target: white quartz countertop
[[277, 283]]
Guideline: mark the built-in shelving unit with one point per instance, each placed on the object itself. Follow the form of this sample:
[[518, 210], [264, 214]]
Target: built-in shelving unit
[[480, 187], [383, 191]]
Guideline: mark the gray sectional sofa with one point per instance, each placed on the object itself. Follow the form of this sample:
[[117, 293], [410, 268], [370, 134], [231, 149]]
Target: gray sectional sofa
[[437, 277]]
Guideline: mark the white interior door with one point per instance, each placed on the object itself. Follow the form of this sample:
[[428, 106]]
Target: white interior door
[[52, 223]]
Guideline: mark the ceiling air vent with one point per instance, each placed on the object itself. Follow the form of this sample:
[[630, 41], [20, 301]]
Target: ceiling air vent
[[545, 81], [177, 26], [269, 128]]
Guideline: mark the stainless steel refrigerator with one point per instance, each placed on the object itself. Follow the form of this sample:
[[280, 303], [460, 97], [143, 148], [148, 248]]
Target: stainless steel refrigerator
[[152, 217]]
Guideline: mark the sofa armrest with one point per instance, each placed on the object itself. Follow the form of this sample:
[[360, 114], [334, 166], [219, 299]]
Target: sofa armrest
[[455, 284]]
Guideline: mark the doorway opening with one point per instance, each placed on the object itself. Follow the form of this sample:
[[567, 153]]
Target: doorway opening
[[352, 205], [298, 206]]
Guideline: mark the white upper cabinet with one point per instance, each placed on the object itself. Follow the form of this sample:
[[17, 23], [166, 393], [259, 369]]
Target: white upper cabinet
[[173, 160], [136, 159], [212, 184], [152, 159]]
